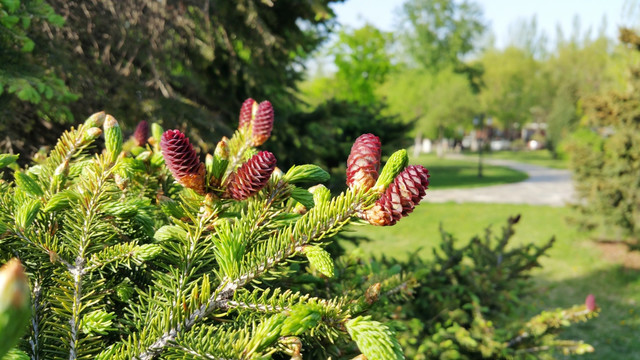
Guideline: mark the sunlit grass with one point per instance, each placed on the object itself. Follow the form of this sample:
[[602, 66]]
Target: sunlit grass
[[537, 157], [574, 268], [451, 173]]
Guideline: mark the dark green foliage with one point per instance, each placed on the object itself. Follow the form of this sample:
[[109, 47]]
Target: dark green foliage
[[175, 62], [30, 93], [605, 159]]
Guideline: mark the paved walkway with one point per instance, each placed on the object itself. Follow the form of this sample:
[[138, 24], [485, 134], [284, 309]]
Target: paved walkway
[[545, 186]]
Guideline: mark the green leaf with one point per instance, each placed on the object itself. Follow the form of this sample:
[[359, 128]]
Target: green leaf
[[7, 159], [9, 21], [28, 93], [28, 45], [306, 173], [26, 22], [56, 19], [303, 196], [11, 5], [28, 184], [375, 340], [320, 260]]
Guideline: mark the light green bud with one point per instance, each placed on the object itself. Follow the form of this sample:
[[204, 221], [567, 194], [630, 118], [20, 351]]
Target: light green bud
[[319, 259], [397, 162], [112, 137], [306, 173], [95, 120]]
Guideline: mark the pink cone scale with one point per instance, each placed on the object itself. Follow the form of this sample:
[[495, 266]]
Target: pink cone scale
[[252, 176], [262, 124], [363, 163], [246, 113], [400, 198], [182, 160], [142, 133]]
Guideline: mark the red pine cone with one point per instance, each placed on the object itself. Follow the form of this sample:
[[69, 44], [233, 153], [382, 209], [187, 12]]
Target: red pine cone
[[142, 133], [364, 162], [262, 124], [182, 160], [246, 111], [400, 198], [252, 176]]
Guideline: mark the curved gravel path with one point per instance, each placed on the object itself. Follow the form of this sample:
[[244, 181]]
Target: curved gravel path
[[545, 186]]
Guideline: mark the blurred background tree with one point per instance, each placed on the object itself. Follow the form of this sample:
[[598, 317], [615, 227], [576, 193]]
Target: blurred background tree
[[175, 62]]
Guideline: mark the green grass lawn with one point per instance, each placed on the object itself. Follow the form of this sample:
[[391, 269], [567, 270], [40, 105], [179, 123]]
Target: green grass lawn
[[574, 268], [538, 157], [450, 173]]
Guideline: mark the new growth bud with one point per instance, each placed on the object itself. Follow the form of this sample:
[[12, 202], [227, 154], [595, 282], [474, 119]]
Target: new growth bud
[[95, 120], [112, 137], [156, 134], [400, 198], [182, 160], [363, 162], [222, 149], [262, 124], [91, 134], [141, 134], [15, 305], [252, 176], [397, 162]]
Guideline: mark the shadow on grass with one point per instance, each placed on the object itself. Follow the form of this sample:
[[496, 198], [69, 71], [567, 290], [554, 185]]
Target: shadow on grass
[[613, 334]]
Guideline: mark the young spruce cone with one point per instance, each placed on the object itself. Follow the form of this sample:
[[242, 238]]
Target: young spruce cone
[[400, 198], [142, 133], [182, 160], [251, 176], [364, 162], [246, 113], [262, 124]]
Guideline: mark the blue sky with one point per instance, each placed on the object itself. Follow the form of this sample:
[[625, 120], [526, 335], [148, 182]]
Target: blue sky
[[502, 13]]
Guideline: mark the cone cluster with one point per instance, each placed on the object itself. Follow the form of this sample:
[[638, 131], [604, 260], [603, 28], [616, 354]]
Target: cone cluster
[[258, 118], [363, 163], [252, 176], [182, 160], [401, 196]]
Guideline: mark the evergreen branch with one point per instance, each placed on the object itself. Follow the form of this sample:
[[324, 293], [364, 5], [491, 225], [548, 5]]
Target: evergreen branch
[[49, 252], [36, 307], [316, 224], [255, 307], [96, 186], [122, 254]]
